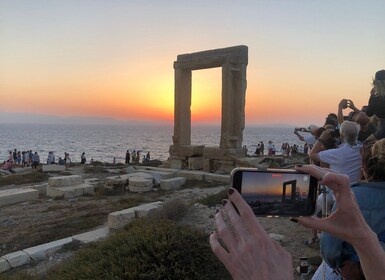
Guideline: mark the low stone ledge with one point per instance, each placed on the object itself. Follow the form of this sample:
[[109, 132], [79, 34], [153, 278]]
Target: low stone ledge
[[22, 169], [120, 219], [63, 181], [70, 191], [41, 188], [192, 175], [173, 183], [17, 259], [92, 236], [210, 177], [145, 209], [13, 196], [4, 265], [53, 168], [40, 252]]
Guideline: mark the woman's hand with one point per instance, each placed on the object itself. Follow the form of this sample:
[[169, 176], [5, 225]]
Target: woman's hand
[[249, 252], [347, 222]]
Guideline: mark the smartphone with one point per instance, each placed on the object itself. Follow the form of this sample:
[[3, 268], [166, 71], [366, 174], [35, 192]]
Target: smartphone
[[276, 192], [303, 265]]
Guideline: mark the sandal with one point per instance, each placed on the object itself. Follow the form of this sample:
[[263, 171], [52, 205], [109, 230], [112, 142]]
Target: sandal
[[311, 241]]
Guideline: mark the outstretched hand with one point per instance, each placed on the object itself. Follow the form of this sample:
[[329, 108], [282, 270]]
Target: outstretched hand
[[249, 252], [347, 215]]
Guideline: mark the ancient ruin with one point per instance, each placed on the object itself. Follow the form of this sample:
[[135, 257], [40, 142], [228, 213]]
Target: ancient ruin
[[233, 61]]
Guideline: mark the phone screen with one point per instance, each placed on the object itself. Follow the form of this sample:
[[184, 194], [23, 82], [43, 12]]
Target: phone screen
[[277, 193]]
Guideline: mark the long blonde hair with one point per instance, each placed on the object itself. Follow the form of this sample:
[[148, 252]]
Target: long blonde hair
[[373, 160]]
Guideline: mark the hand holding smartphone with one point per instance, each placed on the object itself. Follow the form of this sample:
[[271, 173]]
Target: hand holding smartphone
[[276, 192]]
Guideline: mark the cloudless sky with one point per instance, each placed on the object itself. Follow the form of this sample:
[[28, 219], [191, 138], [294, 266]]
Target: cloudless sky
[[115, 58]]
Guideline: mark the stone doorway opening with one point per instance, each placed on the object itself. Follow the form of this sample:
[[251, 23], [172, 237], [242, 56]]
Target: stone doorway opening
[[233, 62]]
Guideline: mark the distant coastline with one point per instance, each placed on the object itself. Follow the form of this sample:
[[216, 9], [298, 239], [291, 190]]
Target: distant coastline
[[29, 118]]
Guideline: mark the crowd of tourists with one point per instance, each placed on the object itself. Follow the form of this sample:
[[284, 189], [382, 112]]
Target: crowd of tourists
[[285, 150], [347, 156], [19, 158]]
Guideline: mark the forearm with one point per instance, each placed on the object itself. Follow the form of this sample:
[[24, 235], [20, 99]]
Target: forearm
[[314, 152], [372, 256], [300, 137], [340, 115]]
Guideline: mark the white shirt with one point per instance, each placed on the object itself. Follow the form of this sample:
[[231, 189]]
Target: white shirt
[[345, 159]]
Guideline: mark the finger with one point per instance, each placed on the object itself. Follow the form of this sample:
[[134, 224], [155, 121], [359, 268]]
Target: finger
[[236, 222], [217, 248], [339, 183], [313, 170], [247, 214], [224, 233]]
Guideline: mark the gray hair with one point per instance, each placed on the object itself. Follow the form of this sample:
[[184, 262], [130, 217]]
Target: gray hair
[[349, 131]]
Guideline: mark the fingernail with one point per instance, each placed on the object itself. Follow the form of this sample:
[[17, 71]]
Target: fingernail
[[294, 220], [224, 201], [230, 191]]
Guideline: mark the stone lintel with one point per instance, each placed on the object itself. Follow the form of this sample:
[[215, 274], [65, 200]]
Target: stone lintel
[[213, 58], [207, 63]]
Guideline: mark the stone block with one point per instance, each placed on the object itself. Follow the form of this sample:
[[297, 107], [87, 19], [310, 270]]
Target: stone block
[[161, 174], [217, 153], [207, 165], [62, 181], [119, 180], [4, 265], [40, 252], [195, 163], [22, 169], [41, 188], [158, 169], [120, 219], [140, 184], [17, 259], [191, 175], [13, 196], [210, 177], [92, 236], [70, 191], [176, 163], [145, 209], [53, 168], [173, 183], [186, 150]]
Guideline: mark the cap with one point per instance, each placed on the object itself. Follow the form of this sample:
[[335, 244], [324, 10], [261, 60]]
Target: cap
[[380, 75]]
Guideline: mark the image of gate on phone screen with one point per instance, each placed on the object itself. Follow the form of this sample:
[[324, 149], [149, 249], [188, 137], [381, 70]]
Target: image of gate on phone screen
[[277, 193]]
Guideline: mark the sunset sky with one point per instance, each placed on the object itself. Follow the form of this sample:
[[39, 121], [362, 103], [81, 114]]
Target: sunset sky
[[114, 59]]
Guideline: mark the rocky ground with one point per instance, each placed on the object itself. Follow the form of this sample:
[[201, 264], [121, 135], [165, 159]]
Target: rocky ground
[[43, 220]]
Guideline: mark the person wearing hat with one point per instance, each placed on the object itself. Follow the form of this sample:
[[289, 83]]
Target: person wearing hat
[[376, 106]]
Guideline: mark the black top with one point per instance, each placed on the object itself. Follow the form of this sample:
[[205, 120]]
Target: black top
[[376, 106]]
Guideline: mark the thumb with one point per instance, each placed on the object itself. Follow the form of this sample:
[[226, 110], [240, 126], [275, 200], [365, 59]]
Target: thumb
[[311, 222]]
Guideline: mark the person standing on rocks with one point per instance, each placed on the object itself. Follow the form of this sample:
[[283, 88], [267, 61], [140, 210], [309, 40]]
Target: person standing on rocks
[[83, 158], [127, 157]]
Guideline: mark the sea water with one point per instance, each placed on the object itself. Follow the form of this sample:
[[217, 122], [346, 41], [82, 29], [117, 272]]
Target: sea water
[[104, 142]]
